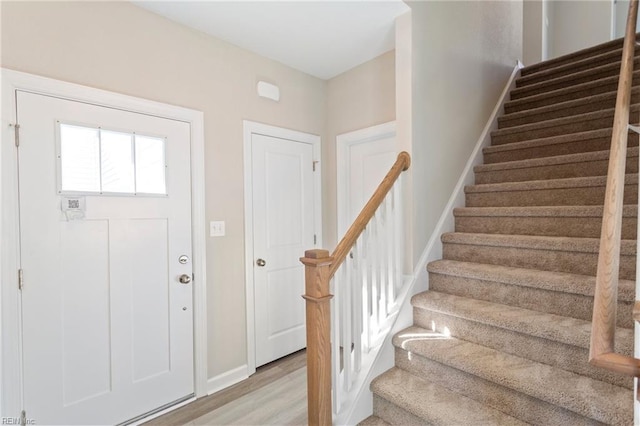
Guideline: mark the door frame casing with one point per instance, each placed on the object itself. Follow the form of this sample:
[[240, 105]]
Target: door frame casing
[[250, 128], [343, 143], [11, 403]]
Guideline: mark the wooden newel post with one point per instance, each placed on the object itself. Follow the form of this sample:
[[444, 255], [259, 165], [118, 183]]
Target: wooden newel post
[[317, 264]]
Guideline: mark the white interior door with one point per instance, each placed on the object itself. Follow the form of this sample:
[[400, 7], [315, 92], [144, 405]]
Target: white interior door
[[105, 212], [364, 158], [283, 228]]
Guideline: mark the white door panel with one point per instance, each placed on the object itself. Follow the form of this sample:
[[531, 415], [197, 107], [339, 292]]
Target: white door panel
[[107, 327], [283, 225], [365, 157]]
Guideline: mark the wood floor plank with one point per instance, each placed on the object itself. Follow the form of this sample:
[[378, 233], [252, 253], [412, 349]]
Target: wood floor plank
[[278, 403], [264, 376]]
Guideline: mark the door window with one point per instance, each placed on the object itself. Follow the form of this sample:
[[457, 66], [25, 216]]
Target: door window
[[99, 161]]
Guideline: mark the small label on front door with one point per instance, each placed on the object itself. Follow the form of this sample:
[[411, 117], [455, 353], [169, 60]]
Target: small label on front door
[[73, 207]]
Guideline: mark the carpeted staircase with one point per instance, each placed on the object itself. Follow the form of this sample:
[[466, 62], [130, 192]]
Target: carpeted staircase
[[502, 336]]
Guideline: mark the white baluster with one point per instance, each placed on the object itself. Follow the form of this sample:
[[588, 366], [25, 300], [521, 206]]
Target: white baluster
[[346, 325], [391, 254], [358, 307], [399, 232], [335, 345]]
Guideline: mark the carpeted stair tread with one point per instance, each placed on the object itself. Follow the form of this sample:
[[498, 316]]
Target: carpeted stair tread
[[559, 221], [582, 157], [580, 182], [578, 64], [593, 140], [594, 163], [549, 253], [565, 125], [547, 184], [550, 192], [588, 397], [585, 245], [578, 55], [566, 330], [373, 421], [534, 278], [559, 293], [434, 404], [565, 109], [598, 72], [577, 91]]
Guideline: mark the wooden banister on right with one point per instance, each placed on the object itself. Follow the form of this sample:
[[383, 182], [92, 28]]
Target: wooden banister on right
[[320, 267], [602, 351]]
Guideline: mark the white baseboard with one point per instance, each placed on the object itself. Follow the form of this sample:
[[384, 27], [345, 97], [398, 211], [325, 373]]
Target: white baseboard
[[226, 379]]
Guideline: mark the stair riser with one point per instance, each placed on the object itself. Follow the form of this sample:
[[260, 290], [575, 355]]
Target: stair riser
[[393, 414], [577, 56], [612, 70], [517, 104], [568, 69], [579, 124], [573, 108], [554, 171], [516, 404], [580, 145], [580, 227], [587, 196], [567, 357], [547, 260], [538, 299]]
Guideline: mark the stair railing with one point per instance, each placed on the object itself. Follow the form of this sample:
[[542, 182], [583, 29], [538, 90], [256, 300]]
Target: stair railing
[[364, 272], [602, 352]]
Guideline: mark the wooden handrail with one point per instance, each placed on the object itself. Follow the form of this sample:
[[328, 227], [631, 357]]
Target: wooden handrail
[[403, 162], [319, 268], [602, 352]]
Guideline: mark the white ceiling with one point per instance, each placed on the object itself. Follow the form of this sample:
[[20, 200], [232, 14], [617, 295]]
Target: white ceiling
[[321, 38]]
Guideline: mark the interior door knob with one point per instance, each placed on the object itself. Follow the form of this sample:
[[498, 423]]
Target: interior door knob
[[261, 262], [185, 279]]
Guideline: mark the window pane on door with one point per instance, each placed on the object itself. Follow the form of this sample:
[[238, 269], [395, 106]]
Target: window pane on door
[[79, 158], [117, 162], [99, 161], [150, 165]]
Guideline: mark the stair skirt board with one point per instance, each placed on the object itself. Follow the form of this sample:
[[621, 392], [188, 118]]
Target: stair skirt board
[[502, 334]]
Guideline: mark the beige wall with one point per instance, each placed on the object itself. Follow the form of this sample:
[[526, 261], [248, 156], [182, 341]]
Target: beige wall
[[577, 24], [533, 31], [463, 54], [119, 47], [361, 97]]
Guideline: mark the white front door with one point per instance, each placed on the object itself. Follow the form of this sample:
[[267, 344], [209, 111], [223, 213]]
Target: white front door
[[105, 215], [283, 228]]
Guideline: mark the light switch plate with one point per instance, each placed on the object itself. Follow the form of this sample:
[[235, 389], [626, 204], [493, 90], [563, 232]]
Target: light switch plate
[[216, 228]]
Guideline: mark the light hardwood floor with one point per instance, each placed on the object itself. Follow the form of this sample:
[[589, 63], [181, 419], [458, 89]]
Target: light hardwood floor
[[275, 395]]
